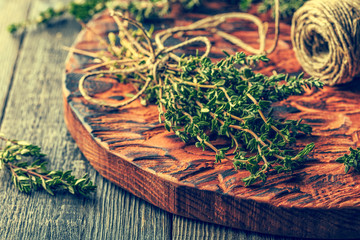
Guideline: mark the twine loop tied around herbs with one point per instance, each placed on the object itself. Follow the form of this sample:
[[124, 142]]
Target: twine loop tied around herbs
[[326, 39], [153, 55]]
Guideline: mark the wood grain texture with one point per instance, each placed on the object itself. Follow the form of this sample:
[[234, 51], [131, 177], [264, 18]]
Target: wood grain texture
[[186, 228], [10, 46], [34, 112], [129, 147], [36, 115]]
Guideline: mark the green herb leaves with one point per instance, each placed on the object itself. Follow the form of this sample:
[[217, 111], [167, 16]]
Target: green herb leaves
[[228, 99], [29, 173], [351, 161]]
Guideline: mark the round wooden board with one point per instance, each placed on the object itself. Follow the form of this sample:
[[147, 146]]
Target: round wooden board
[[130, 148]]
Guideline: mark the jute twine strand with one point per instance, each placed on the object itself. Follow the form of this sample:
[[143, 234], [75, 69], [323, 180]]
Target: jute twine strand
[[326, 39], [157, 54]]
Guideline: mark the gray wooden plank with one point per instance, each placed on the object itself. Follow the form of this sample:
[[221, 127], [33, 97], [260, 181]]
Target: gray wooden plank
[[189, 229], [10, 45], [34, 113]]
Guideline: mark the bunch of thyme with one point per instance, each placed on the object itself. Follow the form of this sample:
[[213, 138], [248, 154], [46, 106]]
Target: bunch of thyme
[[27, 165], [204, 99], [198, 99]]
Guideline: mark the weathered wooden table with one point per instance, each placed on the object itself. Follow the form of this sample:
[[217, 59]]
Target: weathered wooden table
[[31, 108]]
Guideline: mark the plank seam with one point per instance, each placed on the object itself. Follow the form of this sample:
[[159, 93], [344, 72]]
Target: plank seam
[[14, 69], [171, 225]]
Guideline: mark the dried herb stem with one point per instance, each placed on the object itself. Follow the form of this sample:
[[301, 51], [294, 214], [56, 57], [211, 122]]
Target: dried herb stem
[[28, 171], [111, 63], [264, 118]]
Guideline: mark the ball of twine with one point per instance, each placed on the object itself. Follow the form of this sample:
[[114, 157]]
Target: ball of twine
[[326, 39]]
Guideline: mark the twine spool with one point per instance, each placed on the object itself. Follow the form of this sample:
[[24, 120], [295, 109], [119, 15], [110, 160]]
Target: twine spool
[[326, 39]]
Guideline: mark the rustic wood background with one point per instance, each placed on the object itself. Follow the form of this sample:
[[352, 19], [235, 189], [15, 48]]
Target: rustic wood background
[[31, 109]]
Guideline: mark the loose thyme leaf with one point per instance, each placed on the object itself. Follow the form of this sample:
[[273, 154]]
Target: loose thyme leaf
[[351, 161]]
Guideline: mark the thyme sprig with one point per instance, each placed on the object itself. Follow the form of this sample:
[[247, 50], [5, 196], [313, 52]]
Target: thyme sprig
[[27, 165], [200, 100], [351, 160]]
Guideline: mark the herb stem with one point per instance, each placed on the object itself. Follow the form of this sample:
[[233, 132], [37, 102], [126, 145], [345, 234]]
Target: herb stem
[[208, 86], [235, 126], [131, 41], [264, 118], [215, 149], [139, 26], [106, 63], [266, 164], [235, 141], [235, 117], [80, 51], [248, 131], [29, 172]]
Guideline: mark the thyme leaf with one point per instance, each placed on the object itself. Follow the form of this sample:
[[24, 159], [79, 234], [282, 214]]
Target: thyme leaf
[[351, 160]]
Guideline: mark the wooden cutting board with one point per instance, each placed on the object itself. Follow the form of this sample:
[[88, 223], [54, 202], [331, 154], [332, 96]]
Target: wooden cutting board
[[130, 148]]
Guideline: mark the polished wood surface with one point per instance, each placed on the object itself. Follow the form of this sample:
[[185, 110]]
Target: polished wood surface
[[31, 103], [130, 148]]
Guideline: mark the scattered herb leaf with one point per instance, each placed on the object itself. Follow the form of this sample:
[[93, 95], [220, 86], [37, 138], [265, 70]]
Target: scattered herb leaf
[[351, 161]]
